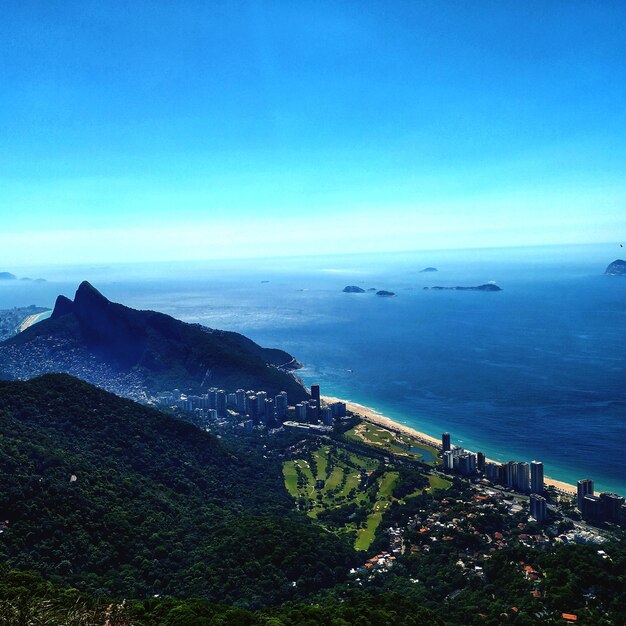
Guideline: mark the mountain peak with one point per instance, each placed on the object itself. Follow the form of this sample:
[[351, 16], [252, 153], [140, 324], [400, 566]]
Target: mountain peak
[[62, 306], [86, 299], [91, 333], [86, 292]]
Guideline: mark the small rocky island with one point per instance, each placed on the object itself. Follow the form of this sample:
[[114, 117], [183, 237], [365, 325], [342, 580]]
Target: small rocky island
[[9, 276], [485, 287], [353, 289], [429, 269], [385, 294], [617, 268]]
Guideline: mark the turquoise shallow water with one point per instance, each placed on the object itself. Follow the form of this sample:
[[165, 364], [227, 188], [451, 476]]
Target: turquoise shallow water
[[536, 371]]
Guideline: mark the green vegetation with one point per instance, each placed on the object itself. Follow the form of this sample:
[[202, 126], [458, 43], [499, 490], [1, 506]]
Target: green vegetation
[[395, 443], [437, 482], [109, 500], [118, 499], [345, 491], [27, 600]]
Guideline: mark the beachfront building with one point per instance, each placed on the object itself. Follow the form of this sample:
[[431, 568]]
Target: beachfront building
[[339, 409], [445, 442], [583, 488], [592, 509], [523, 477], [466, 463], [316, 399], [326, 415], [480, 461], [612, 504], [536, 477], [492, 471]]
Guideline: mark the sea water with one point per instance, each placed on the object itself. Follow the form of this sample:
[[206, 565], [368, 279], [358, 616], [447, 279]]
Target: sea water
[[535, 371]]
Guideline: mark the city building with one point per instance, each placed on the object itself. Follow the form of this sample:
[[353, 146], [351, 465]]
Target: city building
[[538, 507], [326, 416], [301, 411], [465, 463], [583, 488], [480, 461], [510, 474], [492, 471], [592, 509], [241, 401], [612, 503], [445, 442], [315, 397], [536, 477], [339, 409], [522, 482], [281, 404]]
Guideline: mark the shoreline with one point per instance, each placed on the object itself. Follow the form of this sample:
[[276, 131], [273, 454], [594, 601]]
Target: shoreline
[[31, 320], [376, 417]]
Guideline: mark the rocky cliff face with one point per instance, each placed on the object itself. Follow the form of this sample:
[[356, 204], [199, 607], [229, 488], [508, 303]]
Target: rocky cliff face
[[617, 268], [163, 352]]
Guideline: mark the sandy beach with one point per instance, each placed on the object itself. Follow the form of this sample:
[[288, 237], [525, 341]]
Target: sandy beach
[[30, 320], [375, 417]]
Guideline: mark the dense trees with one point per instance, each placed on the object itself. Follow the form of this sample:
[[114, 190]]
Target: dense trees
[[118, 499], [121, 501]]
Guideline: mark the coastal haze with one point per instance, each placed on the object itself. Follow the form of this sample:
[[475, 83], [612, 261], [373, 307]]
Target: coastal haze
[[534, 371]]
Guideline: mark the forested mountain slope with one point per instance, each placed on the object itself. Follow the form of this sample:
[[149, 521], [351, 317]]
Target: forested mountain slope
[[115, 498]]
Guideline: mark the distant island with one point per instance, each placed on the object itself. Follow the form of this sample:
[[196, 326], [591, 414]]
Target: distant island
[[617, 268], [385, 294], [353, 289], [429, 269], [9, 276], [485, 287]]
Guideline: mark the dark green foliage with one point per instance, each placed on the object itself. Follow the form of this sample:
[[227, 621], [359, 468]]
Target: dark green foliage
[[158, 506], [409, 482], [26, 600]]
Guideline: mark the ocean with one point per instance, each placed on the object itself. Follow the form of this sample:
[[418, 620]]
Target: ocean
[[535, 371]]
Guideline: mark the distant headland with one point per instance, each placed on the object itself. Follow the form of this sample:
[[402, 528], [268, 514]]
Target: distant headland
[[617, 268], [485, 287], [6, 276], [429, 269]]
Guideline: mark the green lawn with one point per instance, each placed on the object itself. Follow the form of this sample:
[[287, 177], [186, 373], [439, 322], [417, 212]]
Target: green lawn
[[387, 483], [436, 482], [322, 462], [291, 478], [335, 478], [395, 443], [365, 536], [344, 475]]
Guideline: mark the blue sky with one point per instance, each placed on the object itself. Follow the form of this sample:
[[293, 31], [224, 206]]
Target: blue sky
[[188, 130]]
